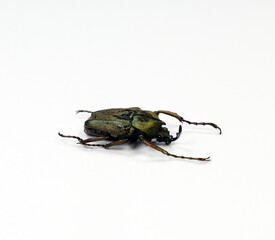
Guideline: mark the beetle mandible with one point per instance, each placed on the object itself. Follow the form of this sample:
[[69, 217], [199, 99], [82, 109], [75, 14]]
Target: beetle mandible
[[121, 125]]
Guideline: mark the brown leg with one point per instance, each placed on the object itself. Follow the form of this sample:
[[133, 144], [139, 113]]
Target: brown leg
[[116, 143], [84, 142], [94, 139], [175, 115], [167, 153]]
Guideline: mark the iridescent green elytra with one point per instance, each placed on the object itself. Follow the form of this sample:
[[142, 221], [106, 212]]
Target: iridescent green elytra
[[121, 125]]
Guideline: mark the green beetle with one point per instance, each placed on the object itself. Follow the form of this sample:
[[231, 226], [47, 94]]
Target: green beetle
[[121, 125]]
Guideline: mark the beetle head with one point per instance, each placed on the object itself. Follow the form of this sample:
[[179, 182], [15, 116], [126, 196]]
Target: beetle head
[[164, 136]]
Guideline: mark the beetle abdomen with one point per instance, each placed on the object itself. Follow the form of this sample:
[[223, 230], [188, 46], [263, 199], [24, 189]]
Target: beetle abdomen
[[114, 129], [122, 123]]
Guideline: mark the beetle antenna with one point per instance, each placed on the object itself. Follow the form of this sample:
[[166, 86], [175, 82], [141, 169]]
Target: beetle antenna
[[78, 111]]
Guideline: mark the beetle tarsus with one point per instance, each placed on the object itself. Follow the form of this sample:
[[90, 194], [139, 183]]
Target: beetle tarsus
[[190, 158], [203, 123], [68, 136], [78, 111]]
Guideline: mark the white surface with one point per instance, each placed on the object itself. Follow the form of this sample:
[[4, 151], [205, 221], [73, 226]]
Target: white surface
[[206, 60]]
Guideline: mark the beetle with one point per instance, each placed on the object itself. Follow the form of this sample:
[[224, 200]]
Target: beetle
[[121, 125]]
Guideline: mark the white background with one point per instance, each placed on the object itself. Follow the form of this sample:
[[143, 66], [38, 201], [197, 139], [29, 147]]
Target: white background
[[206, 60]]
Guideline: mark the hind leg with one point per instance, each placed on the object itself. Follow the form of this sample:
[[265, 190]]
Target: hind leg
[[82, 141], [95, 139]]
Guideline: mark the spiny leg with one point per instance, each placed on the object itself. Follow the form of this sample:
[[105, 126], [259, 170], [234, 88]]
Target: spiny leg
[[183, 120], [68, 136], [204, 123], [84, 142], [148, 143]]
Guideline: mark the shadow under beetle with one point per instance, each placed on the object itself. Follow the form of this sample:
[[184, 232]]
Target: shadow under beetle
[[121, 125]]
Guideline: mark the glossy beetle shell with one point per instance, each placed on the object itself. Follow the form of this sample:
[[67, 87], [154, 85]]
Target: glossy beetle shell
[[121, 123]]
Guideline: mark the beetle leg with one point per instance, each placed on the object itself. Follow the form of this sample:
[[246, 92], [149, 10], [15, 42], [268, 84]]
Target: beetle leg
[[94, 139], [148, 143], [175, 115], [78, 111], [68, 136], [82, 141], [116, 143], [86, 141], [103, 145]]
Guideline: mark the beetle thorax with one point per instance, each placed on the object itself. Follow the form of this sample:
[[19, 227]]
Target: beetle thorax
[[149, 127]]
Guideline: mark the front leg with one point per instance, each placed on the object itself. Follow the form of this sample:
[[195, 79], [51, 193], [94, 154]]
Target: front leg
[[175, 115]]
